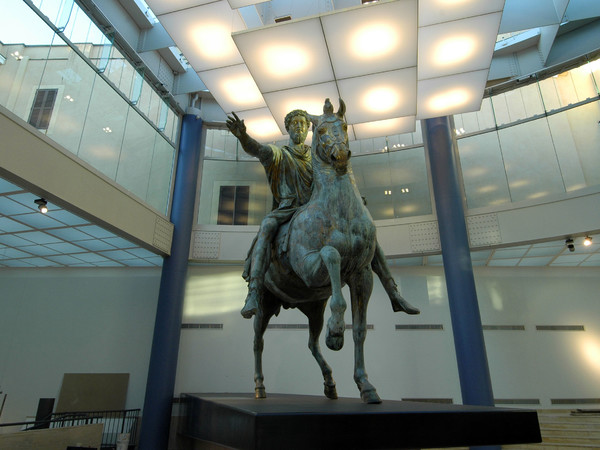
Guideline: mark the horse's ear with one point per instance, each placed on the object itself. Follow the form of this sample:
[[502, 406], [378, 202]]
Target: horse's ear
[[327, 107], [341, 110]]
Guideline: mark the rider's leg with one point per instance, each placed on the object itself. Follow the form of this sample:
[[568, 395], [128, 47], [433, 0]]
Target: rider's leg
[[260, 260], [380, 267]]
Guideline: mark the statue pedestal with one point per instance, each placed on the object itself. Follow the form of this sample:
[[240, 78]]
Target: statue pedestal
[[311, 422]]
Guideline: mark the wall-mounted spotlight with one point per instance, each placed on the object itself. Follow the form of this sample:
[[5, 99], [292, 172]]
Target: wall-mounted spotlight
[[570, 244], [42, 205], [587, 241]]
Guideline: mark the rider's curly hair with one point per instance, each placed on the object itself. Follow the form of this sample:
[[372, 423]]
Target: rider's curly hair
[[294, 113]]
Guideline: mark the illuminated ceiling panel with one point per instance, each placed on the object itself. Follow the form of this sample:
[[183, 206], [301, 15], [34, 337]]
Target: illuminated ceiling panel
[[457, 47], [161, 6], [286, 56], [449, 95], [233, 88], [235, 4], [438, 11], [380, 96], [261, 125], [370, 55], [373, 39], [308, 98], [203, 34], [387, 127]]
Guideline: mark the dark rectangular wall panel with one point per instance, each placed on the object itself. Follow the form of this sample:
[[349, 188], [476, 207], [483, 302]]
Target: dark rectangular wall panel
[[93, 392]]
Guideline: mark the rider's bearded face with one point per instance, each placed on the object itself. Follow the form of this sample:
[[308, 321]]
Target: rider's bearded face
[[298, 129]]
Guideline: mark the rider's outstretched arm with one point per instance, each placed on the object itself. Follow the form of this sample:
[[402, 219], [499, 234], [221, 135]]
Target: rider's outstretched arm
[[250, 145]]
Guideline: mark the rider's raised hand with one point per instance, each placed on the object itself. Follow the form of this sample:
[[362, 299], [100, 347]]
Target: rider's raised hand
[[236, 126]]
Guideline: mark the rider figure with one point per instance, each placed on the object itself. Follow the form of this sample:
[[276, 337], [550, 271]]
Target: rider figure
[[289, 172]]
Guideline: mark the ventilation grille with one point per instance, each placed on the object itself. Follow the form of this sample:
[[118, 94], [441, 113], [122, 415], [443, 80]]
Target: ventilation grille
[[207, 245], [484, 230], [163, 235], [424, 237], [288, 326], [304, 326], [165, 74], [574, 401], [433, 326], [370, 326], [559, 328], [193, 326], [503, 327], [516, 401], [429, 400]]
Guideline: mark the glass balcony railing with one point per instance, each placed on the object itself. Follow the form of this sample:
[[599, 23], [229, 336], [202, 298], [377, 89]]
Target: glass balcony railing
[[73, 85]]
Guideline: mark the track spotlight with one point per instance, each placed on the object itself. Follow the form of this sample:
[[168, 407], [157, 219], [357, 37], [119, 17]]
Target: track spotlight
[[570, 245], [587, 241], [42, 205]]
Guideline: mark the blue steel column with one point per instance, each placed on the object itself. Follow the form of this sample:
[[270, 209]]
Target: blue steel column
[[160, 386], [473, 371]]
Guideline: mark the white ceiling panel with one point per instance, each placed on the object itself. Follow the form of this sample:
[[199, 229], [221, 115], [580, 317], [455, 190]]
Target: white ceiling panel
[[166, 6], [286, 56], [387, 127], [451, 95], [203, 34], [438, 11], [377, 38], [235, 4], [308, 98], [455, 47], [380, 96], [233, 88], [261, 125]]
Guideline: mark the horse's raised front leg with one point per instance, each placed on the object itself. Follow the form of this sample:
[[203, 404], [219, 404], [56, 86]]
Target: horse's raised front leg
[[261, 320], [314, 311], [360, 291], [334, 338]]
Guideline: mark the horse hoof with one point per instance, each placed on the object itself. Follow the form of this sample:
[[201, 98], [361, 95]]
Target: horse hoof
[[260, 392], [331, 392], [334, 342], [370, 396]]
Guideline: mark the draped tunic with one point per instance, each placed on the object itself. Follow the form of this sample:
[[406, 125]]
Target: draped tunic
[[290, 176]]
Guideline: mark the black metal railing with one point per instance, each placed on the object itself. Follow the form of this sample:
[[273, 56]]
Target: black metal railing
[[114, 423]]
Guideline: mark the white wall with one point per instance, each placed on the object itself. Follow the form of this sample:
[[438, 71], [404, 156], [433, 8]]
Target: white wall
[[56, 321], [524, 364]]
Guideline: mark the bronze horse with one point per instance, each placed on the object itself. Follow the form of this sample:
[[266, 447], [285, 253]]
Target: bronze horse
[[329, 242]]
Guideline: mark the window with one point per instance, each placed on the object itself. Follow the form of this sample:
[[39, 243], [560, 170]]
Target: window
[[41, 110], [233, 205]]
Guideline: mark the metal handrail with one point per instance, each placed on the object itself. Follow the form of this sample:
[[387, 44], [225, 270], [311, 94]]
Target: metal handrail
[[126, 419]]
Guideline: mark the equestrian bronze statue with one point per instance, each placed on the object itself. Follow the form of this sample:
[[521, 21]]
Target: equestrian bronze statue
[[323, 244]]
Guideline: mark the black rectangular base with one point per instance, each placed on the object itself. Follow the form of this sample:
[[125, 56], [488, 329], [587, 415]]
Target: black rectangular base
[[310, 422]]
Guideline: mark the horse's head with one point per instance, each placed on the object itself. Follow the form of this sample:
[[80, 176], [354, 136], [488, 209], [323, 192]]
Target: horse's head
[[330, 137]]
